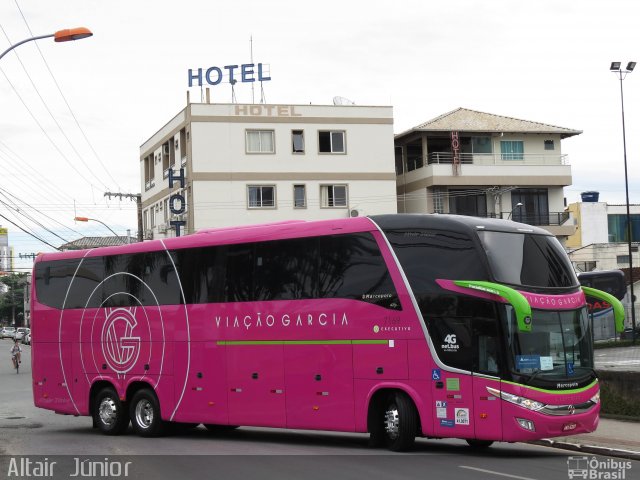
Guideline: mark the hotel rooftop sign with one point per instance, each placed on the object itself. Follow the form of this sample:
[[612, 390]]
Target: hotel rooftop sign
[[245, 73]]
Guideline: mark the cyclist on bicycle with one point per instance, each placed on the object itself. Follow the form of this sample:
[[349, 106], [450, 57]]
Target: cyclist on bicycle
[[15, 353]]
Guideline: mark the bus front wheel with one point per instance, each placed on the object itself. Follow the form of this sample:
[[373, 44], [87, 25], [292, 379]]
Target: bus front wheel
[[144, 411], [109, 413], [399, 422]]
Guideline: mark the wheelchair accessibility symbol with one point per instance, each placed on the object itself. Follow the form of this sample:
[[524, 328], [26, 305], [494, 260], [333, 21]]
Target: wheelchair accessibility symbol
[[435, 374]]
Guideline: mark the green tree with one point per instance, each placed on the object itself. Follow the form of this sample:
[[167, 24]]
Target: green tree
[[12, 301]]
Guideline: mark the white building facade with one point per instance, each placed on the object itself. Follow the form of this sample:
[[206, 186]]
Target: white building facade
[[474, 163], [253, 163], [600, 241]]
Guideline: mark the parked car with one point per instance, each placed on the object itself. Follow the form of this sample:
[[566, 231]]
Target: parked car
[[26, 339], [21, 332], [7, 332], [627, 334]]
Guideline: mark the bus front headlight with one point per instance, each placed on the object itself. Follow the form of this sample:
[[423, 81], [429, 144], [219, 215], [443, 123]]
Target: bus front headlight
[[517, 400]]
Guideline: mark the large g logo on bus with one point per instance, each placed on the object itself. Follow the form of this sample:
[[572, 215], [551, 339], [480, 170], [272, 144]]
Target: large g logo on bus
[[119, 345]]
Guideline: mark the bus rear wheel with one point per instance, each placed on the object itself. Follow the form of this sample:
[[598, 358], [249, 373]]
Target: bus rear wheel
[[399, 422], [109, 413], [144, 411]]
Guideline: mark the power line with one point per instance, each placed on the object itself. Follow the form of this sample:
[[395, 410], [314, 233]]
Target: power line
[[66, 102], [46, 106]]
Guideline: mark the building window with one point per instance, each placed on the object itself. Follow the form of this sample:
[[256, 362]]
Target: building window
[[299, 196], [475, 145], [297, 141], [548, 145], [534, 208], [261, 196], [332, 196], [618, 227], [260, 141], [462, 202], [622, 259], [512, 149], [438, 199], [331, 142]]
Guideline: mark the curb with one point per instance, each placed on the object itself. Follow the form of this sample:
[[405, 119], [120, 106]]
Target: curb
[[593, 449]]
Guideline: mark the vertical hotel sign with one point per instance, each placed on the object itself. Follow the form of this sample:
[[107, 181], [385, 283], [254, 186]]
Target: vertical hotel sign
[[455, 150], [178, 224]]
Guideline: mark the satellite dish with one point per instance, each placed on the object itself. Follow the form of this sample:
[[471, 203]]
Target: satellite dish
[[354, 213], [342, 101]]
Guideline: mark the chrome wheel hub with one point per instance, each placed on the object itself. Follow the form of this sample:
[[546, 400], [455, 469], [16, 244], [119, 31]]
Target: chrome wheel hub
[[108, 411], [392, 422], [144, 413]]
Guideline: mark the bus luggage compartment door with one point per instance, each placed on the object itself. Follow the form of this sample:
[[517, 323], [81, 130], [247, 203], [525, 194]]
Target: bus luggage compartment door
[[256, 392]]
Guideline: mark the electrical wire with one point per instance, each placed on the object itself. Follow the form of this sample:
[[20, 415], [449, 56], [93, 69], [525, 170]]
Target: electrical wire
[[64, 98]]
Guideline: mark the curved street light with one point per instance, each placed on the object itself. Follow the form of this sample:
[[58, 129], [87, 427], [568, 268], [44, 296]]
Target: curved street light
[[86, 219], [518, 205], [616, 67], [66, 35]]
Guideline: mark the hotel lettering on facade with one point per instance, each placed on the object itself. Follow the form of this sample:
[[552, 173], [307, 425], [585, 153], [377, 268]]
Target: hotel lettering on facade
[[216, 165]]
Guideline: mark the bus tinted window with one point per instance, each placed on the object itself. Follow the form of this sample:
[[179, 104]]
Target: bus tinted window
[[463, 330], [238, 285], [286, 270], [428, 255], [351, 266], [526, 259], [336, 266]]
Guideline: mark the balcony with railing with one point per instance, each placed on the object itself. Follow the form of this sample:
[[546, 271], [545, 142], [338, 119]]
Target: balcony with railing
[[496, 158], [538, 219]]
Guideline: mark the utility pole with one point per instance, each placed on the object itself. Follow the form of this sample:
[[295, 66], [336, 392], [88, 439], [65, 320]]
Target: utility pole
[[137, 197]]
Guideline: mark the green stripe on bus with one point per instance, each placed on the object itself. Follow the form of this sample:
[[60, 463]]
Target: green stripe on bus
[[555, 392], [302, 342]]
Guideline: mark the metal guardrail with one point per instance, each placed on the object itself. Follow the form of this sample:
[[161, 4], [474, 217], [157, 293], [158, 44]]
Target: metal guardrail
[[494, 159]]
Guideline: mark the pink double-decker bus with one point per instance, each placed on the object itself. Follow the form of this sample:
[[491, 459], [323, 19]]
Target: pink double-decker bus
[[439, 326]]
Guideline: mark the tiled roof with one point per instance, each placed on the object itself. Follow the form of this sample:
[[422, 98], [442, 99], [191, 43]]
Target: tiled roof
[[95, 242], [465, 120]]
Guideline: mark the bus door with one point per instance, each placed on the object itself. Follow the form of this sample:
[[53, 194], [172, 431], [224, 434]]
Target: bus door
[[452, 391], [488, 360]]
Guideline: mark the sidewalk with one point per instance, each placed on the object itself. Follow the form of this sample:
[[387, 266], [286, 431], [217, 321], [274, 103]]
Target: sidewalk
[[615, 438]]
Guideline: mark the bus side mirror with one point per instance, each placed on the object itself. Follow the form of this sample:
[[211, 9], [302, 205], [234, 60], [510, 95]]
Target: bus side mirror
[[618, 309], [516, 299]]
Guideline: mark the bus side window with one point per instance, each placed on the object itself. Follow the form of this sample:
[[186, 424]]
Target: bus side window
[[239, 277], [352, 266], [485, 333]]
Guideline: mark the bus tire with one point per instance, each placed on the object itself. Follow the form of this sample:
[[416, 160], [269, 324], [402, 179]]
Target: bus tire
[[474, 443], [144, 411], [110, 415], [399, 422]]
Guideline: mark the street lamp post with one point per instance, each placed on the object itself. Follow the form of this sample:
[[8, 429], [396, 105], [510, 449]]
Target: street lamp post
[[621, 74], [518, 205], [86, 219], [66, 35]]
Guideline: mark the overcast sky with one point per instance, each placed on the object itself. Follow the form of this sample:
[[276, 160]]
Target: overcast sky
[[545, 61]]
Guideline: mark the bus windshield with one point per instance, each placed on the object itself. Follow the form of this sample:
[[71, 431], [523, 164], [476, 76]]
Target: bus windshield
[[558, 348], [527, 259]]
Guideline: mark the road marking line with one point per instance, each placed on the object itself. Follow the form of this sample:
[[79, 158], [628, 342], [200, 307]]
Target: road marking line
[[495, 473]]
